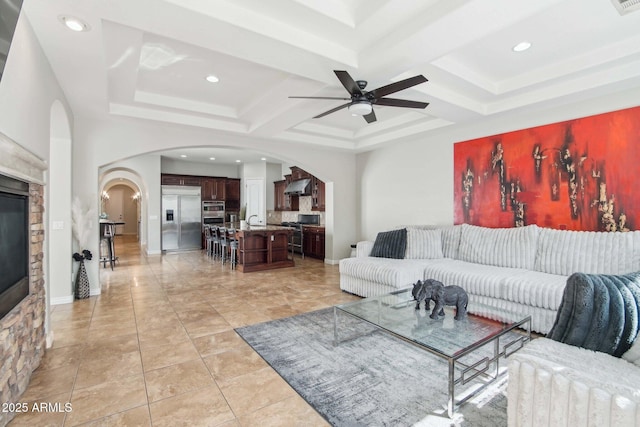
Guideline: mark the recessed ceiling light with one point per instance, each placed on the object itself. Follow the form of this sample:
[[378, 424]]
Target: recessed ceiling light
[[521, 47], [183, 155], [238, 161], [212, 79], [73, 23], [263, 158], [212, 158]]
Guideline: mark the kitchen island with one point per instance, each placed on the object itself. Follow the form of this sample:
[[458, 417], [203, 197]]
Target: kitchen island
[[264, 248]]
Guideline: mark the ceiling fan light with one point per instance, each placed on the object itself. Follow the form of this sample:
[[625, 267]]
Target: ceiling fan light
[[360, 108]]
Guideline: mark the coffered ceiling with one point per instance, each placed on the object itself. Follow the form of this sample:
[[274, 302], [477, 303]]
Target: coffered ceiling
[[148, 59]]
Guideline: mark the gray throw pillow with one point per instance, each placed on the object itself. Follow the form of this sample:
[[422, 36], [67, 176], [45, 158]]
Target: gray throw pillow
[[390, 244]]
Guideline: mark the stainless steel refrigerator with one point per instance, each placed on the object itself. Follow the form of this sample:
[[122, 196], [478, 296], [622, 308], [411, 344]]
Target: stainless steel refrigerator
[[181, 218]]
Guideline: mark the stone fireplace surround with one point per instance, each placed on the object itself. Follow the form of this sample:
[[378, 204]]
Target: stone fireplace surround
[[22, 330]]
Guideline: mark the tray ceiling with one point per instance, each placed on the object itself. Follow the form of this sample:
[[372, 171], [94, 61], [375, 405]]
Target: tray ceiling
[[148, 59]]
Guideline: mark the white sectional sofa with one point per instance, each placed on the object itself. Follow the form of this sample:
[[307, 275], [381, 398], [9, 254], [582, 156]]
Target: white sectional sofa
[[520, 270], [560, 385]]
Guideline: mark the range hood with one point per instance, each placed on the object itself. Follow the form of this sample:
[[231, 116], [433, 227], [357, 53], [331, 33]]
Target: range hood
[[299, 187]]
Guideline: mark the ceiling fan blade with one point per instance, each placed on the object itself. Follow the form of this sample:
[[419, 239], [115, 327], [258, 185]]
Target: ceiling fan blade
[[393, 102], [371, 117], [398, 86], [333, 110], [319, 97], [349, 84]]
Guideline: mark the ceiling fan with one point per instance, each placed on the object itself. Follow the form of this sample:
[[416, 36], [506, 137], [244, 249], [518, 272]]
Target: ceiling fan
[[361, 101]]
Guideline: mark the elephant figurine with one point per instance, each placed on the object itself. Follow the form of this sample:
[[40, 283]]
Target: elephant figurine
[[442, 295]]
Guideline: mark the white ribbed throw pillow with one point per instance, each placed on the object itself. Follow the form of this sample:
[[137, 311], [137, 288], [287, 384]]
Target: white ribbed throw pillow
[[502, 247], [424, 244], [594, 252]]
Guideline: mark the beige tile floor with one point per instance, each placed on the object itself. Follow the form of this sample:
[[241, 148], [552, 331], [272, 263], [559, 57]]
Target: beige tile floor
[[157, 347]]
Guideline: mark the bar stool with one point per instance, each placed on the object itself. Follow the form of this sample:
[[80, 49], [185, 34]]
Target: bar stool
[[233, 247], [208, 239], [107, 233], [215, 240], [224, 243]]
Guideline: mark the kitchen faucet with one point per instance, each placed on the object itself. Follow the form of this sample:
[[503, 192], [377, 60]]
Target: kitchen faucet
[[249, 219]]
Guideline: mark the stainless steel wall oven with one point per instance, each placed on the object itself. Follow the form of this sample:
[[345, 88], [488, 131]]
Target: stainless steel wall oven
[[213, 213]]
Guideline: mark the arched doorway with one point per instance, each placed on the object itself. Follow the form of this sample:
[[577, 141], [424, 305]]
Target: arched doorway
[[124, 199], [120, 203]]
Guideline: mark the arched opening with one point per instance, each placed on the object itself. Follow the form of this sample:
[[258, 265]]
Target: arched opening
[[124, 199], [149, 161], [120, 203], [219, 161]]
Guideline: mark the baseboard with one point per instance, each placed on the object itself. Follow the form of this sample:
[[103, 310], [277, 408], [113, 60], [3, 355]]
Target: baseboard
[[331, 261], [62, 300], [48, 341], [154, 252], [69, 299]]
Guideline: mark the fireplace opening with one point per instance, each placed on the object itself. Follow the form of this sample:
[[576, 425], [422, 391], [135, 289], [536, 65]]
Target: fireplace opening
[[14, 243]]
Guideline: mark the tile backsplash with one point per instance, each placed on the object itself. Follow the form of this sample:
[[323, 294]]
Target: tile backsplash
[[304, 204]]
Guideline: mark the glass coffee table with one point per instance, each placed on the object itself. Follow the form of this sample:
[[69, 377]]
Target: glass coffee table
[[445, 337]]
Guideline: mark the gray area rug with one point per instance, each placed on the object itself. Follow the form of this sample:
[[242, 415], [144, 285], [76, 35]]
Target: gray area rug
[[371, 379]]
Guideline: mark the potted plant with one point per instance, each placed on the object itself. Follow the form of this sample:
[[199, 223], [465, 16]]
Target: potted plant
[[243, 217]]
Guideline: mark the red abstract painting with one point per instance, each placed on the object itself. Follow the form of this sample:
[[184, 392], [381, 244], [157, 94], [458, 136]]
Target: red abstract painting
[[574, 175]]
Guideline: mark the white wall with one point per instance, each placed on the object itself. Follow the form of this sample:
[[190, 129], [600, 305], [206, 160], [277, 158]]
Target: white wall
[[254, 170], [274, 173], [411, 182], [59, 239], [179, 167], [27, 92]]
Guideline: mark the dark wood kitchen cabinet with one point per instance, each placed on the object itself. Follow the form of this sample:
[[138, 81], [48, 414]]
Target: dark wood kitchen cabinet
[[317, 195], [213, 189], [288, 202], [171, 179], [232, 194], [278, 189], [282, 201], [313, 242], [297, 173]]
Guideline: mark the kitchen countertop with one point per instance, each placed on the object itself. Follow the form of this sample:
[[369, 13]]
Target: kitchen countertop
[[268, 227], [264, 228], [236, 226], [304, 225]]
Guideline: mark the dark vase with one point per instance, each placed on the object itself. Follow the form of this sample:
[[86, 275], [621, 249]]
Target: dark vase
[[82, 282]]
